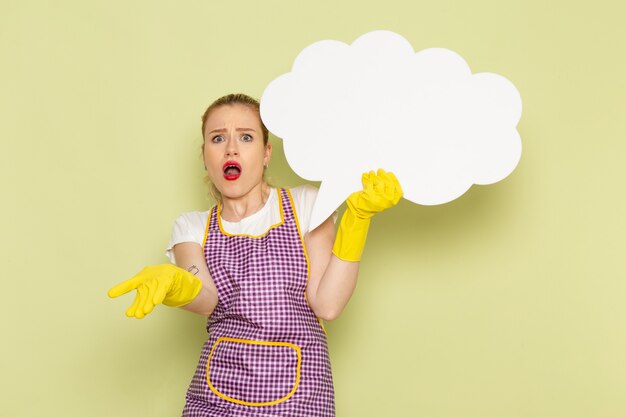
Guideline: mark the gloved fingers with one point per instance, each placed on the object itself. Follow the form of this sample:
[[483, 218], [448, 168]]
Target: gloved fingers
[[151, 289], [369, 200], [366, 180], [142, 297], [397, 188], [385, 177], [382, 191], [385, 187], [124, 287], [160, 292], [130, 312], [393, 189], [378, 182], [144, 301]]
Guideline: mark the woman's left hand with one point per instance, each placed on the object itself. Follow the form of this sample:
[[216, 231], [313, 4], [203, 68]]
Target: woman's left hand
[[380, 191]]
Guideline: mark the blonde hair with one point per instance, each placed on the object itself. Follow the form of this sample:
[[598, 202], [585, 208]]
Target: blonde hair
[[231, 100]]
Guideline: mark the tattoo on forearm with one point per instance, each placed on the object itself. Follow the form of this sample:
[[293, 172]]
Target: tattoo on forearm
[[193, 269]]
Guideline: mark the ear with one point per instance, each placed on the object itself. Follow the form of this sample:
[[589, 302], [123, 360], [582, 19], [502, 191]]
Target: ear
[[203, 161], [268, 154]]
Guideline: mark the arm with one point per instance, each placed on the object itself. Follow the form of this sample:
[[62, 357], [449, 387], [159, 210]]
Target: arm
[[335, 262], [332, 280], [188, 285], [189, 256]]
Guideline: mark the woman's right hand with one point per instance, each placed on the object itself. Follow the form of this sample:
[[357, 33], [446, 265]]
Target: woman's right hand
[[161, 284]]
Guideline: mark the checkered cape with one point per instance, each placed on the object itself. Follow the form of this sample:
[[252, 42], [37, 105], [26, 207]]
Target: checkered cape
[[266, 354]]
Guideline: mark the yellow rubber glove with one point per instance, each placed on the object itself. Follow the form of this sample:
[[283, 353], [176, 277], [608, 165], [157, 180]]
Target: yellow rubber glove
[[381, 191], [167, 284]]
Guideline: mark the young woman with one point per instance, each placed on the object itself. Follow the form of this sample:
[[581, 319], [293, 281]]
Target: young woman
[[263, 279]]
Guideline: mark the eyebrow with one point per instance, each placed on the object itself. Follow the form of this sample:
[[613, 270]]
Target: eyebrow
[[239, 129]]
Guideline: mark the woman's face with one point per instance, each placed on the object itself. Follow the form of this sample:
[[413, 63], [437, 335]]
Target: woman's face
[[234, 153]]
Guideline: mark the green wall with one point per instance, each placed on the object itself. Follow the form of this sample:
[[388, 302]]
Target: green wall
[[506, 302]]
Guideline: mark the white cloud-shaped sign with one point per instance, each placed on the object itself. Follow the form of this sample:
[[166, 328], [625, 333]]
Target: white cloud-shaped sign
[[346, 109]]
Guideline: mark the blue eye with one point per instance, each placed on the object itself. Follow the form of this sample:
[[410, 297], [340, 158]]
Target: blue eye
[[217, 139], [246, 138]]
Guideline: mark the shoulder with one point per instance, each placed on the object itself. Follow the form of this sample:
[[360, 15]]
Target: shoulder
[[304, 194], [303, 201], [304, 197], [192, 219], [188, 227]]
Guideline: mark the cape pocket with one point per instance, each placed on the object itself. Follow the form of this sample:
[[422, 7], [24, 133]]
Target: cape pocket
[[253, 372]]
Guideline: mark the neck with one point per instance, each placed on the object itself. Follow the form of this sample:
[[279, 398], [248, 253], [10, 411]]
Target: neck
[[235, 209]]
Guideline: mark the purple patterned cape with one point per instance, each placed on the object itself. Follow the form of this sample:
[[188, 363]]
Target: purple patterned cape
[[266, 354]]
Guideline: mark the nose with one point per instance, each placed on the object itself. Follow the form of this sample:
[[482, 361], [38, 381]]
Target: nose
[[231, 148]]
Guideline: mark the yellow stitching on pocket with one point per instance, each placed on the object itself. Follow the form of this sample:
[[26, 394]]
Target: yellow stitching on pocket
[[261, 343]]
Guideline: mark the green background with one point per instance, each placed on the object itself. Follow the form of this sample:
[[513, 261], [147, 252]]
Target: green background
[[506, 302]]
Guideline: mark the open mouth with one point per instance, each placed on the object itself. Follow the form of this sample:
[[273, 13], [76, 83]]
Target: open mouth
[[232, 170]]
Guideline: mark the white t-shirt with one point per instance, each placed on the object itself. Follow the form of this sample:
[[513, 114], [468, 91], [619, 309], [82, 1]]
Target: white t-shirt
[[190, 227]]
